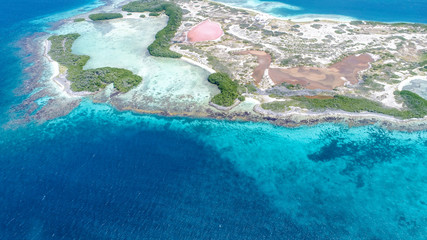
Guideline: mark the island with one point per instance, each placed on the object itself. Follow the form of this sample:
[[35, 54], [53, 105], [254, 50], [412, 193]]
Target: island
[[247, 65]]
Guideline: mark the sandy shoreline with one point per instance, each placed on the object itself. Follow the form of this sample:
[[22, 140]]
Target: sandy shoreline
[[59, 79], [193, 62]]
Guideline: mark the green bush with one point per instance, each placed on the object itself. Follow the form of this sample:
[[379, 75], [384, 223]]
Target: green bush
[[423, 60], [88, 80], [79, 20], [104, 16], [160, 46], [227, 87], [153, 14], [251, 88], [417, 106]]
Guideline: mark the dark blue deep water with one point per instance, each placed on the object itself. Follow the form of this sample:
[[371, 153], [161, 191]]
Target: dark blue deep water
[[102, 174]]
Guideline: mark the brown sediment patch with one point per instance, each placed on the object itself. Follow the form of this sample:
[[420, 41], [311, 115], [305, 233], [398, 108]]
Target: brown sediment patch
[[264, 61], [329, 78], [352, 65], [308, 77]]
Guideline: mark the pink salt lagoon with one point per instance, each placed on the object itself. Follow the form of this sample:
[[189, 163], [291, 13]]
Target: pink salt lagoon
[[205, 31]]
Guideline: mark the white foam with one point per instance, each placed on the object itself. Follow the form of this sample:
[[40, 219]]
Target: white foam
[[271, 7], [311, 17], [260, 5]]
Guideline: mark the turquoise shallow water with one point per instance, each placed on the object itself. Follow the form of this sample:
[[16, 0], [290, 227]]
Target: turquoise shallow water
[[123, 176], [171, 85], [373, 10], [98, 173]]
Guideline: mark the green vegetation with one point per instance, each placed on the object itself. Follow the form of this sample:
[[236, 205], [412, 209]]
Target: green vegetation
[[251, 88], [227, 87], [104, 16], [316, 26], [423, 59], [372, 23], [241, 98], [217, 65], [88, 80], [160, 46], [79, 20], [142, 16], [153, 14], [292, 86], [296, 60], [417, 106]]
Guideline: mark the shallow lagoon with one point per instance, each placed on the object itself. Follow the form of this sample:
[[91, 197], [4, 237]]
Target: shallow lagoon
[[418, 86], [171, 85]]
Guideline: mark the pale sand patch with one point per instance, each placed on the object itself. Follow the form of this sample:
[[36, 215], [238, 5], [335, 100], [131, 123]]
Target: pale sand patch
[[390, 100], [54, 64], [191, 61], [387, 97]]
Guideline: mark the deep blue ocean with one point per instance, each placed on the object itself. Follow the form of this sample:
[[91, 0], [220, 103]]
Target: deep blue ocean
[[98, 173]]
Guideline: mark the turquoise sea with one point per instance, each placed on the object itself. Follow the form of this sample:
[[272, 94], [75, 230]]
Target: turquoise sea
[[98, 173], [373, 10]]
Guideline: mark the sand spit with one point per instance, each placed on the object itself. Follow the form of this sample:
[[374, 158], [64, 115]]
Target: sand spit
[[191, 61], [205, 31], [337, 75]]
